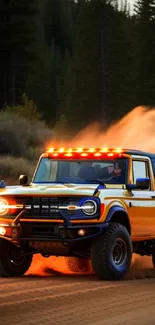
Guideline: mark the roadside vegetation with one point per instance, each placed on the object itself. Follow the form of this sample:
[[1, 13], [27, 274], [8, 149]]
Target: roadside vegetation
[[23, 137]]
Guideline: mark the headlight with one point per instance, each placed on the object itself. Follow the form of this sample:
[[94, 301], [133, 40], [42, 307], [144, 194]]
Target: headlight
[[3, 207], [2, 231], [89, 207]]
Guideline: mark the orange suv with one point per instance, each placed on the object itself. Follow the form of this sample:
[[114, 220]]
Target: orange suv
[[91, 204]]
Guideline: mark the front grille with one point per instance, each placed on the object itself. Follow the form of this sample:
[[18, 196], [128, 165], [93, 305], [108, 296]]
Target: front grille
[[46, 207]]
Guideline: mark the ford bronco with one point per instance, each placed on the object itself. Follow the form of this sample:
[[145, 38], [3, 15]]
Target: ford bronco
[[90, 204]]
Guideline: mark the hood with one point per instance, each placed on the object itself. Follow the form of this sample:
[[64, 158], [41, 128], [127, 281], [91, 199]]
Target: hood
[[53, 189]]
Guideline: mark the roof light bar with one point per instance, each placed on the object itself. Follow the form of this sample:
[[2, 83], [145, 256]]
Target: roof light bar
[[84, 150], [85, 153]]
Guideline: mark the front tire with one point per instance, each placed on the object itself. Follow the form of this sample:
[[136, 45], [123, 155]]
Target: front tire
[[11, 264], [153, 257], [111, 253]]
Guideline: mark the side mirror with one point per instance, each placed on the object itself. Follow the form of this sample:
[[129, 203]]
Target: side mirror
[[23, 180], [2, 184], [141, 184]]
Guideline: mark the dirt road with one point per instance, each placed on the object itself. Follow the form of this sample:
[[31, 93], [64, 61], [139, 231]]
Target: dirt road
[[78, 300]]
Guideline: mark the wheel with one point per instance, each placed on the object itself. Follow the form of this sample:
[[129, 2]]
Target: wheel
[[11, 264], [153, 256], [75, 264], [111, 253]]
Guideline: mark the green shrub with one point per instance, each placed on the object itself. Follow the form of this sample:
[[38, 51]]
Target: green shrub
[[11, 168], [21, 137], [22, 134], [26, 109]]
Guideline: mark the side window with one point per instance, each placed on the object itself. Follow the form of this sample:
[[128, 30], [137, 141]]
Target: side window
[[153, 164], [140, 170]]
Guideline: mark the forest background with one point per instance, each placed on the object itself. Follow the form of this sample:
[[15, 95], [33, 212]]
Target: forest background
[[65, 64]]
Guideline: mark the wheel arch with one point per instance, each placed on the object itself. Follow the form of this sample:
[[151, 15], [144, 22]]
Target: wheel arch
[[7, 239], [119, 215]]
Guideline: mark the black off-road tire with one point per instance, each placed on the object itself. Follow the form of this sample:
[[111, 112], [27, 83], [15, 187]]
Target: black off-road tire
[[153, 256], [103, 249], [10, 267], [77, 265]]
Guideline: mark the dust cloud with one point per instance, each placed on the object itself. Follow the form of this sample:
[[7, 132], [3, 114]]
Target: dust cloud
[[48, 266], [135, 131], [141, 267]]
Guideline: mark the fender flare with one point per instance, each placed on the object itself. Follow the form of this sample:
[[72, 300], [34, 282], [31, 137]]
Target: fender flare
[[115, 209]]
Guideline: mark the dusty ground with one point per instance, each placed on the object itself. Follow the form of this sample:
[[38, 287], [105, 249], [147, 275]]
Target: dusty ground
[[79, 299]]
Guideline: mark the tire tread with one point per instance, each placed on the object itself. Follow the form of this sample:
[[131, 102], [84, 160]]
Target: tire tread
[[99, 252]]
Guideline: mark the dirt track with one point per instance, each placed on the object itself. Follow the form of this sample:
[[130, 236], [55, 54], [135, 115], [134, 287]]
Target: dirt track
[[74, 300]]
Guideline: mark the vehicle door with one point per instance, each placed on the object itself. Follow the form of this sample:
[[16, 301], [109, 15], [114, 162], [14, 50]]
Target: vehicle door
[[142, 203]]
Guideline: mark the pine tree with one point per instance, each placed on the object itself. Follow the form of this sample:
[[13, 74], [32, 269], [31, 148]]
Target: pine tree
[[56, 23], [145, 24], [3, 52], [117, 61], [38, 85], [85, 105], [17, 49]]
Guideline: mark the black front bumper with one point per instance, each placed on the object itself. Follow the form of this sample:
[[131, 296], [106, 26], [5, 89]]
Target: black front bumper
[[59, 232]]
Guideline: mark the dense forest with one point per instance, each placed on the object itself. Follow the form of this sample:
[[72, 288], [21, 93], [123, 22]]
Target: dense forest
[[78, 61]]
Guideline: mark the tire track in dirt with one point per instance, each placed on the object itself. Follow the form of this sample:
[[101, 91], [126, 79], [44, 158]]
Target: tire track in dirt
[[75, 300]]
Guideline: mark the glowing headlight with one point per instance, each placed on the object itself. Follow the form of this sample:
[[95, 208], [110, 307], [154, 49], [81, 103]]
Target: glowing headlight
[[2, 231], [3, 207], [89, 207]]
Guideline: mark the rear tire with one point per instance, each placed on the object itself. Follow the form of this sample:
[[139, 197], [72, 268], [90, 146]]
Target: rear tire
[[78, 265], [111, 253], [11, 264]]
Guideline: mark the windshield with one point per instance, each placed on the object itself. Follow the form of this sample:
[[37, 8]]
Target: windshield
[[79, 171]]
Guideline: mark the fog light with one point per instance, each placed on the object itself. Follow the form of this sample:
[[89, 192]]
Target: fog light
[[81, 232], [2, 231], [14, 232]]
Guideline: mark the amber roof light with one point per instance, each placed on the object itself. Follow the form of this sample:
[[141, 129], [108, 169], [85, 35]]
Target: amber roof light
[[84, 152]]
